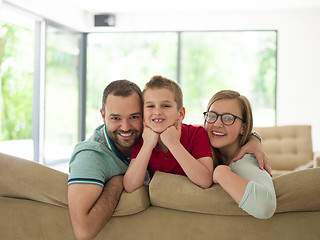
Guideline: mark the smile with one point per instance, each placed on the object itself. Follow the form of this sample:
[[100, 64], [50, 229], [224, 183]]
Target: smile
[[158, 120], [125, 134], [218, 134]]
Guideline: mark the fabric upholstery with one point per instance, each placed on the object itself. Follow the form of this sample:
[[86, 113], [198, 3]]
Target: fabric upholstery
[[297, 191], [33, 205], [287, 147], [40, 183]]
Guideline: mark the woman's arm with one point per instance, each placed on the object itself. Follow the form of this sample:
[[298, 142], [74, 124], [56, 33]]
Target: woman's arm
[[250, 187], [233, 184]]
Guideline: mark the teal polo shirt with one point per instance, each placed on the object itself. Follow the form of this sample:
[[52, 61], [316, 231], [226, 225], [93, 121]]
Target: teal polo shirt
[[96, 160]]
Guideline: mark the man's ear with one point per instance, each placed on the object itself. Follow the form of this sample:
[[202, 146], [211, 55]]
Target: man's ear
[[182, 113], [102, 114]]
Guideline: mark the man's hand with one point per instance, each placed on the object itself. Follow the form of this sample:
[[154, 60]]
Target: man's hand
[[91, 206], [255, 147]]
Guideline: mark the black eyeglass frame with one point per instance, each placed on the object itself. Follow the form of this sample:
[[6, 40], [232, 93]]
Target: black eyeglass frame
[[205, 114]]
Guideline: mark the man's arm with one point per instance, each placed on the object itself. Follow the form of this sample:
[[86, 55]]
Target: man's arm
[[91, 206]]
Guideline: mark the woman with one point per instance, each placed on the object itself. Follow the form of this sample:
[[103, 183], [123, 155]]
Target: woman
[[228, 122]]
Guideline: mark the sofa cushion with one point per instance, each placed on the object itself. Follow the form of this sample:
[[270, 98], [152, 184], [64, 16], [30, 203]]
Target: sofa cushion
[[178, 192], [287, 147], [131, 203], [296, 191], [29, 180]]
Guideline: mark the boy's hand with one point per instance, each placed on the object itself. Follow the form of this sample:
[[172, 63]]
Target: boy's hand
[[149, 136], [171, 136]]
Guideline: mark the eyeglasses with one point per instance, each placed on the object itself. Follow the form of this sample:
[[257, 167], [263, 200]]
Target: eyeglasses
[[226, 118]]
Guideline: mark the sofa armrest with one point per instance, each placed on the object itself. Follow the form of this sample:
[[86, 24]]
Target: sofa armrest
[[131, 203], [316, 159], [23, 179]]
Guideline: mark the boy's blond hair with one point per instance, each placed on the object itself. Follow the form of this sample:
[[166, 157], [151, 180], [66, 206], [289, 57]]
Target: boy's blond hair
[[160, 82]]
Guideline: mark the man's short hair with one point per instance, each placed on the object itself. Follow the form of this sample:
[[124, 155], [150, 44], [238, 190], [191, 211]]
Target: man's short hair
[[123, 88], [160, 82]]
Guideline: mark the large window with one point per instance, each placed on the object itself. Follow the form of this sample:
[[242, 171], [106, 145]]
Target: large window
[[244, 61], [16, 71], [202, 62], [39, 105], [132, 56], [61, 94], [47, 87]]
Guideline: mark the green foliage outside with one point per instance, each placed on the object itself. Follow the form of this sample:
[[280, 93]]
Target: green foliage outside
[[16, 83], [133, 56], [244, 61], [61, 88], [241, 61], [210, 61], [2, 44]]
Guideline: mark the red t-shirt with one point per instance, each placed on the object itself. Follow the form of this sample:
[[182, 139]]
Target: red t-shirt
[[194, 139]]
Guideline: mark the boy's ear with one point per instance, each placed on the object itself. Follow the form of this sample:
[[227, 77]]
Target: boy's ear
[[182, 113]]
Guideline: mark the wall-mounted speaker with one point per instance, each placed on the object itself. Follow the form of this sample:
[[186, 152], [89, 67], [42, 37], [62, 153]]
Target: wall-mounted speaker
[[104, 20]]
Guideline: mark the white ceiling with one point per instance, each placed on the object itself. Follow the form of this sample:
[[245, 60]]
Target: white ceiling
[[140, 6], [78, 14], [132, 6]]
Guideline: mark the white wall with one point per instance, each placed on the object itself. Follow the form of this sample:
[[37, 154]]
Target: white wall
[[298, 87], [58, 11]]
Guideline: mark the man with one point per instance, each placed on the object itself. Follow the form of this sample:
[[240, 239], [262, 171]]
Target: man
[[98, 164]]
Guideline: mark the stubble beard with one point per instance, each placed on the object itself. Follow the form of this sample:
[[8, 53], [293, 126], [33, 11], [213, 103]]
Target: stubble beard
[[125, 144]]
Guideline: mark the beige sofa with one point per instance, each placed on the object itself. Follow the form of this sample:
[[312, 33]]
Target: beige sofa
[[288, 148], [33, 205]]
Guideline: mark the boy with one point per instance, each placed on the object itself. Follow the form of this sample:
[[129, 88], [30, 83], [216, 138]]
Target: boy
[[167, 144]]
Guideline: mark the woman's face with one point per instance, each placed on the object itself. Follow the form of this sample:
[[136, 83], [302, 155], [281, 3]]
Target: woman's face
[[223, 137]]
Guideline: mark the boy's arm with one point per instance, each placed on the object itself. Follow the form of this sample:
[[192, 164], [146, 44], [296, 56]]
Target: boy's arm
[[91, 206], [135, 175], [199, 171]]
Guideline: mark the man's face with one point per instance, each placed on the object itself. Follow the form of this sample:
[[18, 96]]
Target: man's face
[[123, 120]]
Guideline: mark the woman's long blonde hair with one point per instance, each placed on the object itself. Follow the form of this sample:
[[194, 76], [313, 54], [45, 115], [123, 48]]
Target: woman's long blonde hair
[[246, 116]]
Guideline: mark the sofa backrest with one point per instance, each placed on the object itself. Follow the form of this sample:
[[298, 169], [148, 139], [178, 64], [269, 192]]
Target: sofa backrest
[[287, 147]]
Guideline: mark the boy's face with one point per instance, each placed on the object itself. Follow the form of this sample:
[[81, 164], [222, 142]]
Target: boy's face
[[160, 109]]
